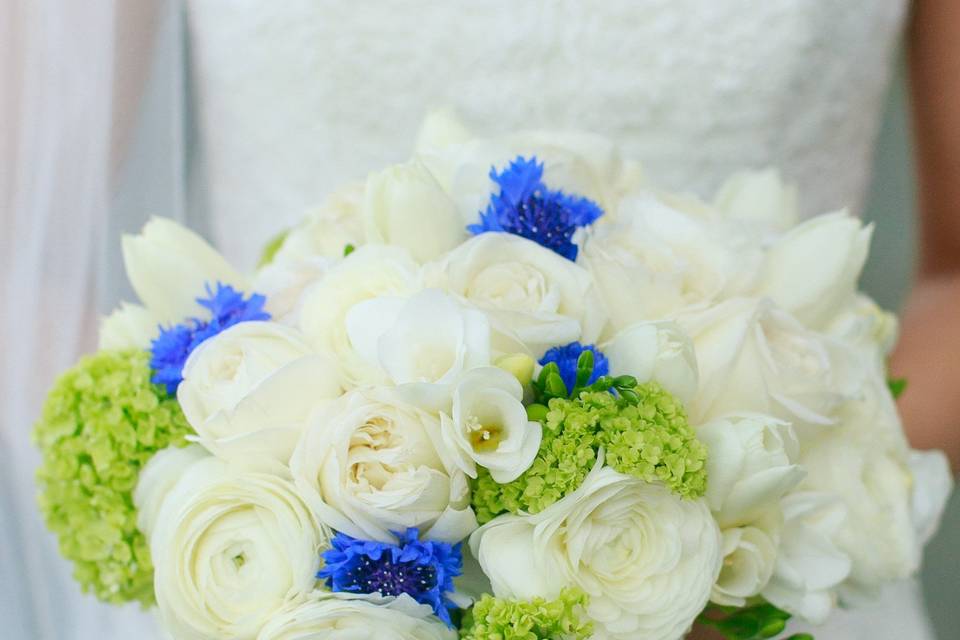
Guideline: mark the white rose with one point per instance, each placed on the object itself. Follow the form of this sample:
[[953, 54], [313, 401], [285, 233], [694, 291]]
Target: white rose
[[809, 566], [749, 557], [129, 327], [342, 616], [489, 425], [367, 273], [232, 544], [646, 558], [759, 198], [368, 464], [168, 266], [656, 261], [657, 351], [250, 389], [530, 293], [812, 271], [407, 207], [755, 357], [427, 338], [751, 465]]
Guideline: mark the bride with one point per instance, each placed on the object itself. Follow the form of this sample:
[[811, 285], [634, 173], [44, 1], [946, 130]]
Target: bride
[[292, 99]]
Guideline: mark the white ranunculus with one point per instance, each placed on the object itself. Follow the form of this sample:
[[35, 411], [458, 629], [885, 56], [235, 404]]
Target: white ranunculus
[[809, 566], [753, 356], [530, 293], [249, 389], [131, 326], [169, 267], [751, 464], [759, 198], [158, 477], [489, 425], [407, 207], [646, 557], [657, 351], [369, 272], [656, 261], [812, 271], [749, 557], [232, 545], [369, 463], [344, 616], [427, 338]]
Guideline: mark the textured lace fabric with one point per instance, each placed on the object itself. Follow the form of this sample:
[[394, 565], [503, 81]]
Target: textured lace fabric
[[298, 97]]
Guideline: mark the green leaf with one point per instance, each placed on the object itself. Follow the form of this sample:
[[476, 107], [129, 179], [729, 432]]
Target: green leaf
[[348, 249], [757, 622], [269, 251], [584, 370], [897, 386]]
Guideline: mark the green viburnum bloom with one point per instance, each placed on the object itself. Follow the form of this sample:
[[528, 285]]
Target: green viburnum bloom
[[101, 423], [533, 619], [644, 434]]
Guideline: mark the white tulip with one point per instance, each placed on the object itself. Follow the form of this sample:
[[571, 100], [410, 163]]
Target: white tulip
[[369, 464], [657, 351], [169, 266], [406, 206], [749, 558], [441, 128], [759, 198], [646, 557], [131, 326], [812, 271], [489, 425], [250, 388]]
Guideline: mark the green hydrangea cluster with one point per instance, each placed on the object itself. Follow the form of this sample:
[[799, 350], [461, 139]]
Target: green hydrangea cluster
[[645, 435], [101, 423], [537, 619]]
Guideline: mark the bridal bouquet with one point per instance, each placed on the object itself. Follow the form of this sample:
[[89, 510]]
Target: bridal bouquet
[[507, 390]]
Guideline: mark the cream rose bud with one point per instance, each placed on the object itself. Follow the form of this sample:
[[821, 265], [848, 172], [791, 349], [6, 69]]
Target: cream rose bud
[[751, 465], [812, 271], [407, 207], [369, 272], [344, 616], [232, 545], [759, 198], [489, 425], [130, 326], [369, 464], [749, 557], [646, 557], [529, 293], [429, 337], [251, 388], [168, 266], [657, 351]]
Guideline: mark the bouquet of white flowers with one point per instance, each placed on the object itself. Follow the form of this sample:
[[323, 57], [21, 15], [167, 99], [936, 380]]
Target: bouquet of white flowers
[[508, 389]]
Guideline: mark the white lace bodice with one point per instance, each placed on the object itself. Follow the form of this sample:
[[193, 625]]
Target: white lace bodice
[[297, 97]]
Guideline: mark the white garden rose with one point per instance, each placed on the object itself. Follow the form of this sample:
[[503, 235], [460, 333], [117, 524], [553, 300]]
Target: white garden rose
[[369, 272], [749, 557], [369, 463], [343, 616], [232, 545], [751, 464], [489, 425], [250, 388], [529, 293], [759, 199], [812, 270], [131, 326], [405, 206], [646, 557], [657, 351]]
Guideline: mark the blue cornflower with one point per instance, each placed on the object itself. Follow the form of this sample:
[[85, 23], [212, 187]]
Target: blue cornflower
[[424, 570], [526, 207], [170, 349], [566, 358]]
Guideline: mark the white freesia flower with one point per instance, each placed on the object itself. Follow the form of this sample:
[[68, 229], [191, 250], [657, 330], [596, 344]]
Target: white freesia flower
[[250, 388], [369, 272], [657, 351], [646, 558], [232, 545], [489, 425], [749, 557], [751, 464], [169, 267], [759, 198], [406, 206], [812, 271], [131, 326], [427, 338], [530, 293], [342, 616], [368, 464]]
